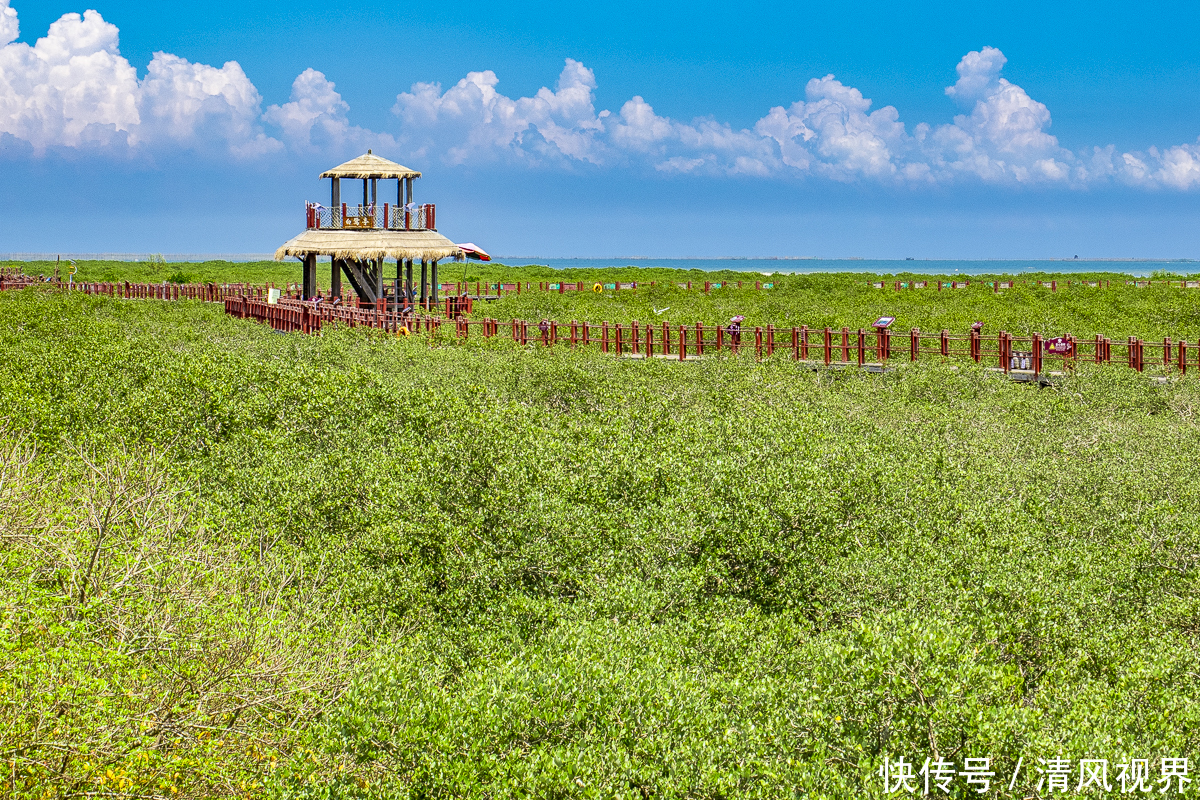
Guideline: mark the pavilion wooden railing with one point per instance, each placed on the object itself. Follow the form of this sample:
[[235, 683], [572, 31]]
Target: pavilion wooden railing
[[390, 217]]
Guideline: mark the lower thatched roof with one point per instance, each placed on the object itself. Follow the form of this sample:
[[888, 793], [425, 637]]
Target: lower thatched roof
[[362, 245]]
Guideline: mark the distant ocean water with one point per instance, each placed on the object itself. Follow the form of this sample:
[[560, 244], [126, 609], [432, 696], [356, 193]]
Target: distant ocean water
[[1138, 267], [876, 266]]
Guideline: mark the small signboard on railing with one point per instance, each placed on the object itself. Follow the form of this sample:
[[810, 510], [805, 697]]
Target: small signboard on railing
[[1060, 345], [883, 322], [768, 286]]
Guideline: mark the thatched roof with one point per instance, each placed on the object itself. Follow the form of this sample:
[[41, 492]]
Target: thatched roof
[[428, 245], [370, 166]]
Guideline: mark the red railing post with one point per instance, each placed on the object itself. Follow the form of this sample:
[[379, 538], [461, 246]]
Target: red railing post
[[604, 337], [862, 342], [804, 342], [845, 344], [795, 343], [758, 342], [828, 345], [770, 340], [945, 342], [914, 344], [699, 336], [682, 343]]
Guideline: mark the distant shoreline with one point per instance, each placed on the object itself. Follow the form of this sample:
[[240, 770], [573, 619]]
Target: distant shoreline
[[241, 257]]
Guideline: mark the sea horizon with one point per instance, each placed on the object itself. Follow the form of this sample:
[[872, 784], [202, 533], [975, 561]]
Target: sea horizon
[[765, 265]]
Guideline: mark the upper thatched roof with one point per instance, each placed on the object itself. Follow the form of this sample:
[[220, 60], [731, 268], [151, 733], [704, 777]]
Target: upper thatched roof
[[370, 166], [427, 245]]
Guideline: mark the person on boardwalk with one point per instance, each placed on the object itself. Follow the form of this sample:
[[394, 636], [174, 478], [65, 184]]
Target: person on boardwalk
[[735, 332]]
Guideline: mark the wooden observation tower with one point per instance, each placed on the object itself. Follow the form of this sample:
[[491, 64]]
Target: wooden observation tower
[[360, 237]]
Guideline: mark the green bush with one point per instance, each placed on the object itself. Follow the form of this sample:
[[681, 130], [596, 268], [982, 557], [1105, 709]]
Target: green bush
[[484, 570]]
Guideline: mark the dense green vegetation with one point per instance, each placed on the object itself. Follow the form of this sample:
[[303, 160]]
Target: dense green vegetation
[[834, 299], [241, 563]]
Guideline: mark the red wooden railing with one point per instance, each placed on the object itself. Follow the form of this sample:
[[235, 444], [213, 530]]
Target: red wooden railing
[[842, 347]]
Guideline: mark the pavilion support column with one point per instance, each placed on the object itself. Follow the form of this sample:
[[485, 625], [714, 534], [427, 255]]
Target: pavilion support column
[[408, 281], [365, 183], [310, 276], [335, 193], [374, 191], [335, 276], [378, 278], [435, 282], [424, 282]]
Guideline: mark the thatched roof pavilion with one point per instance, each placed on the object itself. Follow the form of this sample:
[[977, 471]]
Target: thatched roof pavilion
[[371, 244], [370, 166], [358, 238]]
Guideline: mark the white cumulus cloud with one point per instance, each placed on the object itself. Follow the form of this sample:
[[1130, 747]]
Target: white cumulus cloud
[[834, 133], [473, 120], [316, 118], [73, 89], [72, 86], [192, 104]]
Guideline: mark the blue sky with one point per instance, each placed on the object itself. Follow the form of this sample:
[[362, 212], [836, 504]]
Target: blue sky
[[878, 130]]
